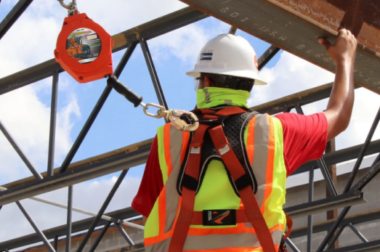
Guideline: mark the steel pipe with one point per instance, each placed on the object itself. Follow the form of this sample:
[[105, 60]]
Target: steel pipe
[[53, 118], [362, 152], [75, 209], [35, 227], [13, 15], [21, 154], [100, 237], [101, 211], [153, 73], [124, 234], [69, 213], [77, 226]]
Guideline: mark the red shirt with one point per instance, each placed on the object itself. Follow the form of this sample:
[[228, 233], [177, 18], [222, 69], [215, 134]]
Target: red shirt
[[304, 139]]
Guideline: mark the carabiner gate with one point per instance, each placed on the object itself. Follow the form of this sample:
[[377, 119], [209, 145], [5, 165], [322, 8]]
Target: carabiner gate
[[160, 113]]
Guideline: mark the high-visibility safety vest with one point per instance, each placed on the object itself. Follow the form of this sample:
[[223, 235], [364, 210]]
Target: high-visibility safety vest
[[263, 139]]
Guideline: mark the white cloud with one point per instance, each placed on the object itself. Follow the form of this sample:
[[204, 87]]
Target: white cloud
[[87, 196], [27, 120], [117, 15], [185, 43], [292, 74], [32, 40]]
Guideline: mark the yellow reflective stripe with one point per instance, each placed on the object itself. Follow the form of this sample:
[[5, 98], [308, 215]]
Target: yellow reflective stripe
[[275, 201], [151, 226], [152, 223], [161, 153]]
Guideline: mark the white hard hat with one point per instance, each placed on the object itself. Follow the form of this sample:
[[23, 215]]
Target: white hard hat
[[228, 54]]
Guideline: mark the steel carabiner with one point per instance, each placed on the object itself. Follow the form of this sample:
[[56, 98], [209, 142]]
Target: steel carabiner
[[173, 116], [71, 7]]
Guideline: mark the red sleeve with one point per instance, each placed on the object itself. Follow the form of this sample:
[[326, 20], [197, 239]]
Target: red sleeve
[[304, 138], [151, 183]]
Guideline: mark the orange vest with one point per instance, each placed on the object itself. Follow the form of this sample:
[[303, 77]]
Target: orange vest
[[264, 145]]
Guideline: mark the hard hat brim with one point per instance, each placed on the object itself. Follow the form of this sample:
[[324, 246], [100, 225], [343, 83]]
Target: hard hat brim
[[237, 73]]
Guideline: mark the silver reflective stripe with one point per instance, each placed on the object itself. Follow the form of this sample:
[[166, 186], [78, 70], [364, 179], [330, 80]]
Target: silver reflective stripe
[[172, 197], [217, 241], [260, 156], [224, 150], [277, 236], [195, 150], [159, 247], [201, 242], [207, 95]]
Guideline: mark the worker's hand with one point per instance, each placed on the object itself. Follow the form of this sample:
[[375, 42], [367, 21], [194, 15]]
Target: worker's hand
[[344, 48]]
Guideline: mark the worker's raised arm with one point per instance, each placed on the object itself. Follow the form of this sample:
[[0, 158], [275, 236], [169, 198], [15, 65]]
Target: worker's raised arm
[[339, 108]]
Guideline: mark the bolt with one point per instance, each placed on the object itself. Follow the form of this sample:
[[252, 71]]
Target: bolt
[[80, 77], [56, 54]]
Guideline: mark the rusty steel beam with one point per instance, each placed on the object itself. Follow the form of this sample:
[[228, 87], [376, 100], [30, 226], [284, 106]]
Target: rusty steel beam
[[295, 26], [360, 17]]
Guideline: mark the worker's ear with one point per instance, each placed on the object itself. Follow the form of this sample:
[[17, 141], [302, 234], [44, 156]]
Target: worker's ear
[[207, 82]]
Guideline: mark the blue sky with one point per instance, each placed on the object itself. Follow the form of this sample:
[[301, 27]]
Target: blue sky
[[120, 124], [26, 111]]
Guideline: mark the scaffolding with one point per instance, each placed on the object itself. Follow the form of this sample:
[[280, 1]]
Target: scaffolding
[[291, 26]]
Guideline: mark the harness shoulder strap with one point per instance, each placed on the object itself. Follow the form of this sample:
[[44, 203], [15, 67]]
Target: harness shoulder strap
[[241, 179], [190, 182]]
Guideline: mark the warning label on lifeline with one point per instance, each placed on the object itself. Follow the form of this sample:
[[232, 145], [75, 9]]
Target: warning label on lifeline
[[83, 45]]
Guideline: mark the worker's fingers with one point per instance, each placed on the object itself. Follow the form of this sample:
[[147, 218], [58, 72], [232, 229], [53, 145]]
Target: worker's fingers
[[324, 42], [342, 31]]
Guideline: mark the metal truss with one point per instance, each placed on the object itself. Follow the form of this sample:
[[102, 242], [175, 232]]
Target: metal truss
[[284, 27]]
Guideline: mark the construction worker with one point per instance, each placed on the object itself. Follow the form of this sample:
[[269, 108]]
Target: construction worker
[[222, 187]]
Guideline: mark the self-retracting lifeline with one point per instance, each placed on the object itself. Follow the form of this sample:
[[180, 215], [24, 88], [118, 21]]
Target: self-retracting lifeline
[[177, 118], [84, 50]]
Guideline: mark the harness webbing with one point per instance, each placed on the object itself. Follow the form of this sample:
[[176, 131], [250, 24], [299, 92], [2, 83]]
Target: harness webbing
[[251, 213], [188, 191], [247, 196]]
